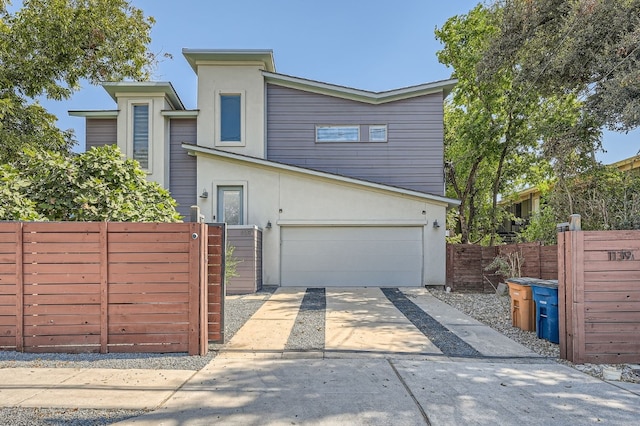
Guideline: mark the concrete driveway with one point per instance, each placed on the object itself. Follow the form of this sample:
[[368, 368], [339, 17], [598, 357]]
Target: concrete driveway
[[384, 358]]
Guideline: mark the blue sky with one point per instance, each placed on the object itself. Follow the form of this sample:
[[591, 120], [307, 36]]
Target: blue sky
[[372, 45]]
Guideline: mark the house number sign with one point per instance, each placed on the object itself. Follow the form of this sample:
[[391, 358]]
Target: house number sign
[[621, 255]]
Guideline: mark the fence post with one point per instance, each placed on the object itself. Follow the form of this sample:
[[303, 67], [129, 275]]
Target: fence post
[[104, 288], [195, 214], [19, 287]]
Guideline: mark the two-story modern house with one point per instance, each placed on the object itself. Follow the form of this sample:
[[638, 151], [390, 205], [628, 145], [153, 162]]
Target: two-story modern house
[[346, 184]]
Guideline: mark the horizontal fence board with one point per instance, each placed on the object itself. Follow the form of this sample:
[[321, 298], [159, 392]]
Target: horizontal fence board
[[145, 268], [607, 295], [116, 227], [65, 299], [613, 307], [89, 339], [148, 308], [180, 338], [152, 348], [150, 277], [61, 227], [68, 279], [609, 358], [604, 265], [610, 286], [632, 347], [6, 237], [134, 247], [67, 238], [618, 317], [155, 237], [69, 330], [7, 269], [55, 258], [611, 337], [61, 309], [612, 327], [77, 288], [116, 319], [117, 298], [86, 319], [138, 288], [64, 268], [8, 300], [610, 275], [45, 248], [115, 258], [147, 328], [610, 236]]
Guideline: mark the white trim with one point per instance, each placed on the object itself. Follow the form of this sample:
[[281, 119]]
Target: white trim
[[144, 88], [192, 113], [130, 104], [445, 201], [444, 87], [218, 93], [94, 113]]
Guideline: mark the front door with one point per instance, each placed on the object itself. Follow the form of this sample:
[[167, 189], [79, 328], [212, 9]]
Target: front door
[[230, 208]]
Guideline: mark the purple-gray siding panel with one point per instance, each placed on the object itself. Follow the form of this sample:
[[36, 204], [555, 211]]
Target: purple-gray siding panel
[[412, 158], [101, 131], [182, 180]]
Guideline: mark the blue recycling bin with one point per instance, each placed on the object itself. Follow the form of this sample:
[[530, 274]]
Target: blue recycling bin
[[545, 294]]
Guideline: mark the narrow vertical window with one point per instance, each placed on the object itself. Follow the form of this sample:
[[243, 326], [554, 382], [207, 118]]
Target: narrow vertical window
[[230, 209], [141, 135], [230, 118]]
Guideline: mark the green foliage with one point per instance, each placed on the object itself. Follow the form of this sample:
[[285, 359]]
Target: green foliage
[[542, 227], [13, 206], [587, 47], [94, 186], [230, 263], [605, 197], [47, 47]]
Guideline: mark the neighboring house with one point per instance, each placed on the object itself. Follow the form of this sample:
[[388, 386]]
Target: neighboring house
[[347, 185], [528, 201]]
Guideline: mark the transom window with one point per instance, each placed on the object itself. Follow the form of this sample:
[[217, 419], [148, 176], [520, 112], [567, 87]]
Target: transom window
[[349, 133]]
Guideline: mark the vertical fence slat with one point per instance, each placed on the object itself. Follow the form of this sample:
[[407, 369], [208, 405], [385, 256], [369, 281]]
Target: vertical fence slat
[[203, 287], [19, 287], [564, 308], [578, 295], [194, 293], [104, 288]]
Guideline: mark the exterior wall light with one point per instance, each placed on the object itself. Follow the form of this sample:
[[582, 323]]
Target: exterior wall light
[[436, 225], [268, 225], [204, 194]]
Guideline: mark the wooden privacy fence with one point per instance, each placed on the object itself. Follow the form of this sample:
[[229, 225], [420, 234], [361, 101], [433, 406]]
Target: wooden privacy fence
[[466, 264], [599, 296], [105, 287]]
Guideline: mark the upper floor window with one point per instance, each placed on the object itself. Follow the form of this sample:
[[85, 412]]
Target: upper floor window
[[349, 133], [141, 134], [378, 133], [230, 118]]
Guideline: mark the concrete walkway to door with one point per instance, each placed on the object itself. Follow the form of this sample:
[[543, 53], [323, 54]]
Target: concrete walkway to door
[[388, 358]]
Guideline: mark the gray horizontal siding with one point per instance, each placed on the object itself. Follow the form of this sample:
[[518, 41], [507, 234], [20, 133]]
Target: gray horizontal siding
[[182, 176], [247, 244], [412, 158], [101, 132]]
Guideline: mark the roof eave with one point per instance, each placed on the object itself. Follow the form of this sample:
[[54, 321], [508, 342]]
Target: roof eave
[[197, 56], [114, 89]]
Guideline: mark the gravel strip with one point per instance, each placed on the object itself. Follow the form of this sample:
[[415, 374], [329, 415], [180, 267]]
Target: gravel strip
[[495, 311], [442, 337], [64, 416], [308, 330]]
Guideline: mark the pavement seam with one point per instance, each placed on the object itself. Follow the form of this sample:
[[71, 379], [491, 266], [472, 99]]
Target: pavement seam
[[406, 387], [175, 391], [48, 388]]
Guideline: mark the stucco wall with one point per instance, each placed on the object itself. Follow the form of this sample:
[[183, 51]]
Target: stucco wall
[[295, 199]]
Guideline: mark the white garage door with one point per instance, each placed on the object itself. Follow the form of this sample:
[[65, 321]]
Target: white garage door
[[351, 256]]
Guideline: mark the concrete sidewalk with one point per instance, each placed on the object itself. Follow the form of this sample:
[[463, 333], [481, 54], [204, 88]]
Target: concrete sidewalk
[[375, 368]]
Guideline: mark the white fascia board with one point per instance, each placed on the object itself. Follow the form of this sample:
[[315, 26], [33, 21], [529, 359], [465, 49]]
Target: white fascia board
[[359, 223], [446, 202], [94, 113], [444, 86], [230, 56], [147, 88]]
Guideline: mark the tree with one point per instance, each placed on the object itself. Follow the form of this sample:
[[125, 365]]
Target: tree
[[491, 130], [48, 46], [93, 186], [588, 47]]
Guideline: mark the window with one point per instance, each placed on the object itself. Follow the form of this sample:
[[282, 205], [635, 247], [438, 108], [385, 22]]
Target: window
[[230, 118], [378, 133], [337, 133], [141, 135], [230, 208]]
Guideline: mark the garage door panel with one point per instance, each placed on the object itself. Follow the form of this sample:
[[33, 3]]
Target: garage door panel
[[351, 256]]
